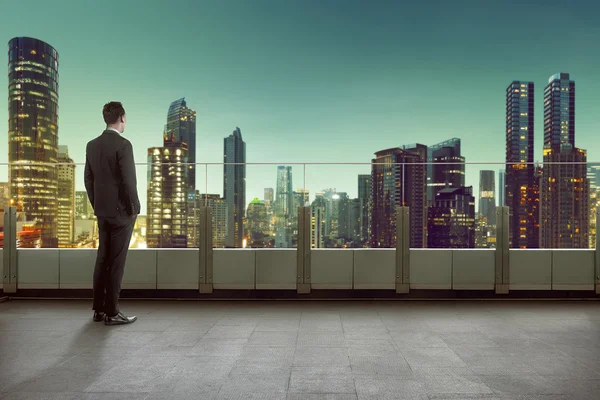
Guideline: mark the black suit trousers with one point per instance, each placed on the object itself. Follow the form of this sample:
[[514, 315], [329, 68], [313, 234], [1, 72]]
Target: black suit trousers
[[115, 236]]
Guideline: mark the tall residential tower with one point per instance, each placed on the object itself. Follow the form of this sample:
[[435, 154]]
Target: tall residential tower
[[565, 195], [521, 197]]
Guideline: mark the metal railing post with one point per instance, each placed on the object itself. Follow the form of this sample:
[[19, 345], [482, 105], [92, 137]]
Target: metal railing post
[[205, 283], [10, 273], [402, 250], [502, 250], [597, 253], [303, 251]]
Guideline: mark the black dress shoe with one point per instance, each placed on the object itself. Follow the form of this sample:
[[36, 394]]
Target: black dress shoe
[[98, 316], [119, 319]]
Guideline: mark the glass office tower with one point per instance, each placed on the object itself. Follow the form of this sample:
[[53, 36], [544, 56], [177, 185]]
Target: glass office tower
[[234, 182], [33, 133]]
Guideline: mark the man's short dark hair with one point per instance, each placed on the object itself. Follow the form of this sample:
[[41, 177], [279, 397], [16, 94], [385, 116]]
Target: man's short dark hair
[[112, 112]]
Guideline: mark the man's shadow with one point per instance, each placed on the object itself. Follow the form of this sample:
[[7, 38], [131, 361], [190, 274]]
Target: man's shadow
[[71, 362]]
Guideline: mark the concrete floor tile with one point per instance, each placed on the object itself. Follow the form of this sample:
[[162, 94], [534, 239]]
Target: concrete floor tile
[[319, 356], [302, 382], [273, 338], [389, 387], [432, 356]]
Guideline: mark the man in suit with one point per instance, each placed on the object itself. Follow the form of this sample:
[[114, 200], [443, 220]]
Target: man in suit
[[111, 185]]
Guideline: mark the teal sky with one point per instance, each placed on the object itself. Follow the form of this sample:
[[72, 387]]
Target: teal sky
[[311, 81]]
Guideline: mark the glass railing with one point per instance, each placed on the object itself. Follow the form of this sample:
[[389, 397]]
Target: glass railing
[[352, 205]]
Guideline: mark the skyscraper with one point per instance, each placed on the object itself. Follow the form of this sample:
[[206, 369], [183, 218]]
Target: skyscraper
[[445, 167], [364, 200], [284, 195], [565, 187], [451, 219], [234, 187], [520, 170], [66, 198], [317, 214], [399, 178], [180, 131], [284, 207], [33, 133], [167, 222]]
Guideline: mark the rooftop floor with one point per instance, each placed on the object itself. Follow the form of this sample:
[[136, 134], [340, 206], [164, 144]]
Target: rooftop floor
[[302, 350]]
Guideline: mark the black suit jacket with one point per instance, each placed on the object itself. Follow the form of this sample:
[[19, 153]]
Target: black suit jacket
[[110, 178]]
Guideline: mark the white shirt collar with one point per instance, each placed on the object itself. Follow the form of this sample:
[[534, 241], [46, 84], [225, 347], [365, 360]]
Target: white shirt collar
[[113, 129]]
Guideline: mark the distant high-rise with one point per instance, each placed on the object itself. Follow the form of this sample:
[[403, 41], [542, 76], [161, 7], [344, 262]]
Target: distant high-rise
[[398, 178], [565, 198], [301, 199], [66, 198], [486, 221], [451, 219], [487, 196], [83, 207], [364, 200], [258, 223], [501, 187], [349, 219], [344, 223], [317, 214], [445, 168], [284, 194], [219, 217], [235, 187], [33, 133], [167, 222], [593, 175], [285, 209], [269, 196], [520, 170]]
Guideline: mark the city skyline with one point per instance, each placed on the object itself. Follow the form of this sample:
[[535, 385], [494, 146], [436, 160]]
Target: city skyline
[[364, 96]]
